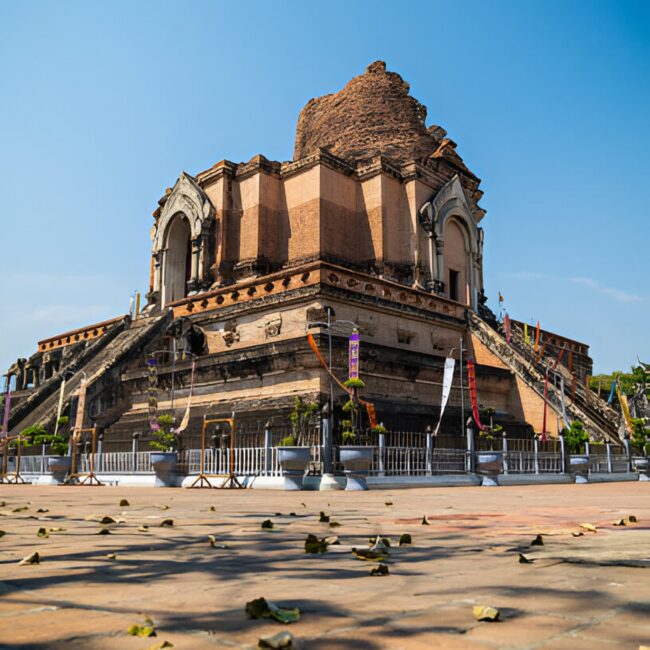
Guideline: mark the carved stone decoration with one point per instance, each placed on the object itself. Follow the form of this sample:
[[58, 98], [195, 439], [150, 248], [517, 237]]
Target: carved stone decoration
[[230, 333], [273, 327]]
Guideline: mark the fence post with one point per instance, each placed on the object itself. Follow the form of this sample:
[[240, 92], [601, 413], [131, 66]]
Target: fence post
[[327, 438], [267, 448], [470, 458], [134, 453], [382, 454], [628, 453], [429, 453], [536, 454], [100, 452], [43, 459], [587, 454], [505, 455], [608, 448], [563, 454]]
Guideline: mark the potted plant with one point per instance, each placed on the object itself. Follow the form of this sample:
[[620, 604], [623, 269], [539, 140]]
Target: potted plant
[[293, 455], [165, 443], [356, 459], [489, 459], [575, 437], [59, 462]]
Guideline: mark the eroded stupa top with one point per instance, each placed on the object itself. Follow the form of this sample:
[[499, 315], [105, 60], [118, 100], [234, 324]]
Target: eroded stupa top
[[372, 114]]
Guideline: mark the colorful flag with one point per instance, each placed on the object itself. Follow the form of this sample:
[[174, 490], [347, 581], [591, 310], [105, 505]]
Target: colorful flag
[[625, 407], [537, 332], [81, 408], [447, 379], [610, 399], [506, 325], [545, 404], [500, 297], [565, 419], [353, 358], [471, 379], [526, 336], [153, 394]]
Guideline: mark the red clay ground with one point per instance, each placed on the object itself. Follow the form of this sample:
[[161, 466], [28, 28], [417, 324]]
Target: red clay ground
[[589, 592]]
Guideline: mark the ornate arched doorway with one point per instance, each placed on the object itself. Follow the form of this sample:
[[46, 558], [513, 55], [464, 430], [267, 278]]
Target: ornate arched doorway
[[457, 268], [177, 265]]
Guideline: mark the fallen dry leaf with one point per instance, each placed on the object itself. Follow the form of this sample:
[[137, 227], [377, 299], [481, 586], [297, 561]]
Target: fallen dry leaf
[[267, 524], [42, 510], [159, 646], [577, 533], [632, 519], [262, 608], [370, 555], [124, 503], [34, 558], [111, 556], [424, 521], [42, 532], [323, 518], [279, 641], [381, 570], [485, 613], [167, 522], [104, 531], [538, 541], [620, 522], [404, 538], [590, 527], [524, 560]]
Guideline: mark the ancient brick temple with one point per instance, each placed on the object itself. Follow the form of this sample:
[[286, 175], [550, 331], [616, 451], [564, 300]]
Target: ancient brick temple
[[376, 222]]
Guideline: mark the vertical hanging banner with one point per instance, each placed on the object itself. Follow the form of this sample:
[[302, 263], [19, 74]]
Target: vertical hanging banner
[[537, 333], [625, 407], [506, 325], [81, 407], [526, 335], [543, 438], [186, 418], [59, 407], [565, 419], [471, 379], [447, 379], [5, 421], [153, 394], [353, 356], [610, 399]]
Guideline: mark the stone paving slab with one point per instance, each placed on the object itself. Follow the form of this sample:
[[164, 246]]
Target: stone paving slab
[[590, 591]]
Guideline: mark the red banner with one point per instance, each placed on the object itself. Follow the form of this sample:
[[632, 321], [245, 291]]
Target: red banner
[[543, 438], [471, 379], [506, 325]]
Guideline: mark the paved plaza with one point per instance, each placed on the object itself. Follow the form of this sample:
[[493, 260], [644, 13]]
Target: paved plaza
[[586, 591]]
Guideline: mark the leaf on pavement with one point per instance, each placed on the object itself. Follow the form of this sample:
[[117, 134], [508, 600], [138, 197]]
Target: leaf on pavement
[[370, 555], [42, 532], [262, 608], [334, 524], [159, 646], [381, 570], [2, 533], [315, 545], [34, 558], [620, 522], [632, 519], [279, 641], [20, 509], [42, 510], [424, 521], [111, 556], [267, 523], [57, 529], [124, 503], [404, 538], [141, 630], [389, 503], [212, 509], [323, 519], [104, 531], [524, 560], [577, 533], [143, 529], [485, 613], [538, 541], [169, 523], [590, 527]]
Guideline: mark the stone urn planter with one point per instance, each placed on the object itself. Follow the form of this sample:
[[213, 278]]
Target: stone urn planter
[[59, 467], [489, 464], [579, 467], [294, 461], [356, 460], [164, 465], [641, 465]]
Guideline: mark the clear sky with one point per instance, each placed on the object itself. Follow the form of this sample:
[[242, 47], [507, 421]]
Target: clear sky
[[103, 104]]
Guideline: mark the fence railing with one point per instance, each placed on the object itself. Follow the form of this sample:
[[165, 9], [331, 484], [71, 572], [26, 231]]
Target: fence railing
[[388, 460]]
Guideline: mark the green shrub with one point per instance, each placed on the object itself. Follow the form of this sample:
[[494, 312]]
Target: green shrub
[[354, 383], [165, 438], [575, 436]]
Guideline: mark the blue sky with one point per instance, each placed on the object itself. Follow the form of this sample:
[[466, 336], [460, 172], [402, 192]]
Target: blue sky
[[103, 104]]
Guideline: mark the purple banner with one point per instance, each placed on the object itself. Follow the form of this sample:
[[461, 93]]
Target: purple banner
[[353, 359]]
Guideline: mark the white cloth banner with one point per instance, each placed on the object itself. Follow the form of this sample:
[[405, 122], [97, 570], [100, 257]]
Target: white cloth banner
[[565, 419], [447, 378]]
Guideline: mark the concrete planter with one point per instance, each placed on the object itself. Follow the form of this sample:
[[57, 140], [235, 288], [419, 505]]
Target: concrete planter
[[164, 465], [642, 466], [294, 461], [489, 464], [59, 467], [356, 460], [579, 467]]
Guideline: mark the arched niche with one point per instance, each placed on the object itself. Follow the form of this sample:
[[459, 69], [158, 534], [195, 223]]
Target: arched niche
[[177, 263], [448, 214], [171, 248]]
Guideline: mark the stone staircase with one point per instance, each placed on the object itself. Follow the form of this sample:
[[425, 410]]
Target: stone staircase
[[601, 421], [41, 406]]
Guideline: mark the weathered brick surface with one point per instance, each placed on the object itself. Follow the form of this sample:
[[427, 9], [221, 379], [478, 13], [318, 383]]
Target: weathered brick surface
[[373, 114]]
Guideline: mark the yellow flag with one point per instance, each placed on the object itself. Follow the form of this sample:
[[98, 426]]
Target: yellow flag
[[526, 337], [625, 407]]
